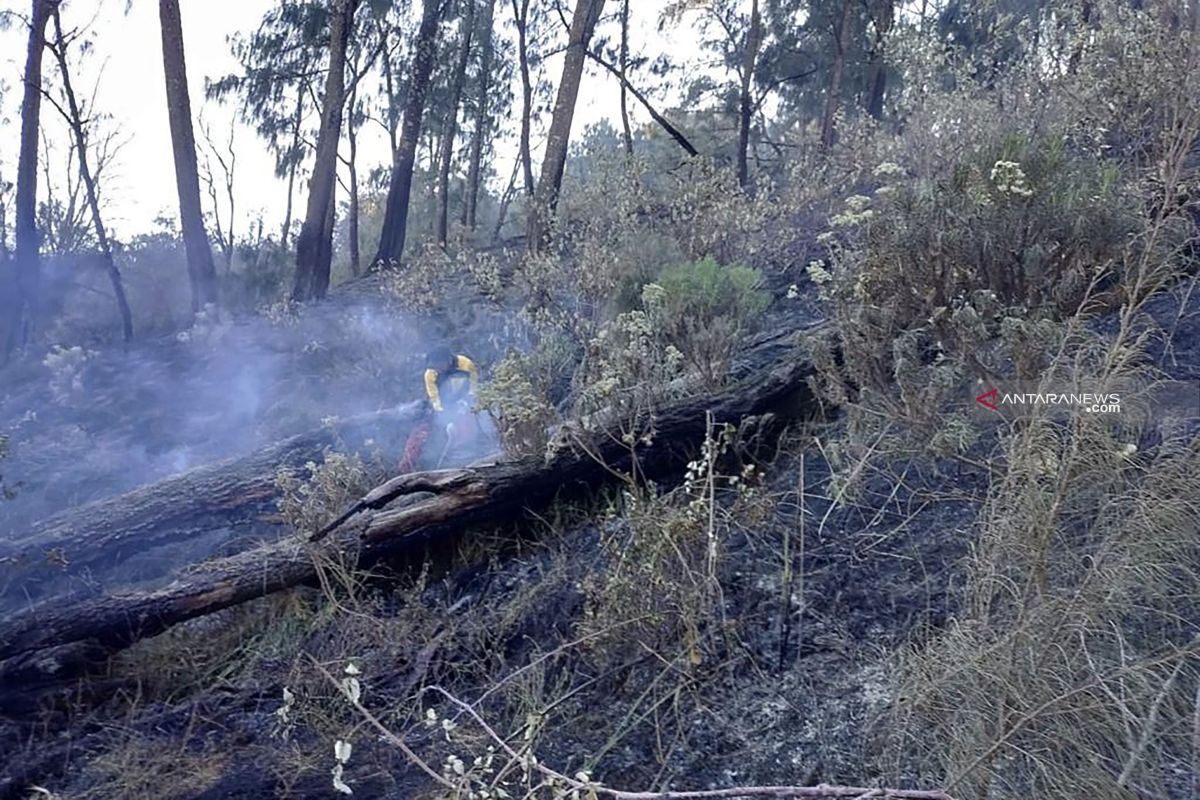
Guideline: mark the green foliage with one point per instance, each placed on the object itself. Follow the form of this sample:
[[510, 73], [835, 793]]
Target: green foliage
[[705, 310]]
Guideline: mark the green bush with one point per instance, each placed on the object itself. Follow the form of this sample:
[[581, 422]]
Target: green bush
[[705, 308]]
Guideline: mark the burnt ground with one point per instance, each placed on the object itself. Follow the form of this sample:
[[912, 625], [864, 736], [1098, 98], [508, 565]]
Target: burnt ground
[[784, 680], [783, 691]]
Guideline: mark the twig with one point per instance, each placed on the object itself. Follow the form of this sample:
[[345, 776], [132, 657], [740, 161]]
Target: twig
[[387, 735]]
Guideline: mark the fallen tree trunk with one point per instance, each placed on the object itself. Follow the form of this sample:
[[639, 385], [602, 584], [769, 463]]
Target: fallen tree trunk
[[142, 535], [399, 517]]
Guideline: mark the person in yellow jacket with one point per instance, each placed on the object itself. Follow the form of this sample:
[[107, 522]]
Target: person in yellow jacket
[[449, 378]]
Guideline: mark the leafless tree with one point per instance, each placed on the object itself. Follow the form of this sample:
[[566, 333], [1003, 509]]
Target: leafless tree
[[225, 156], [73, 115]]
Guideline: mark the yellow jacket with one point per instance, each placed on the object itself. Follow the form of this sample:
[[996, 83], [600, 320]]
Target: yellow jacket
[[461, 364]]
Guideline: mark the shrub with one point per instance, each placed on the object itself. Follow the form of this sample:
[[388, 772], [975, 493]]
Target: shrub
[[627, 368], [518, 401], [308, 504], [1069, 670], [706, 308], [67, 365], [1027, 220]]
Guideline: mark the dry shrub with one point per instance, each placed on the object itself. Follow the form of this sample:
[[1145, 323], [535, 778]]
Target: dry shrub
[[435, 278], [1071, 669], [518, 399], [662, 587], [1028, 221], [218, 649], [137, 766], [306, 504]]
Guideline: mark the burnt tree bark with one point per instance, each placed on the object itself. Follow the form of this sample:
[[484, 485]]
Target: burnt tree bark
[[75, 121], [202, 273], [395, 216], [450, 131], [402, 516], [28, 241], [314, 245], [545, 199]]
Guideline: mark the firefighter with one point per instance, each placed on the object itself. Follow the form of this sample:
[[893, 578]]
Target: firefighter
[[450, 380]]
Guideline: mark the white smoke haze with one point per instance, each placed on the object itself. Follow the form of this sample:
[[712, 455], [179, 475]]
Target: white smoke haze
[[172, 403]]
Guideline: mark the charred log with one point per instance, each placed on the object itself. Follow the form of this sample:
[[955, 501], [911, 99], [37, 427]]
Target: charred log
[[145, 533]]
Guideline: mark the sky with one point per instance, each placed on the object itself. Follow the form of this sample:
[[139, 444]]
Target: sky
[[125, 71]]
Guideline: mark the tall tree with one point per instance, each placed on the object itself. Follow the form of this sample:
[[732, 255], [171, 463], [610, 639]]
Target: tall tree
[[521, 20], [746, 102], [27, 240], [201, 271], [833, 97], [74, 118], [545, 201], [446, 156], [482, 115], [277, 85], [883, 16], [314, 246], [395, 216], [623, 65]]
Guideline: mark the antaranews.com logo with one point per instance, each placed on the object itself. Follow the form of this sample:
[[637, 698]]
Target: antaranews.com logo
[[1179, 400], [1088, 402]]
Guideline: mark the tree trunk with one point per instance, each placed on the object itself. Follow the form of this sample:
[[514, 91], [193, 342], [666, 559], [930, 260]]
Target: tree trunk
[[505, 199], [745, 99], [662, 121], [400, 517], [545, 201], [834, 98], [482, 119], [75, 120], [395, 217], [314, 246], [201, 271], [521, 17], [389, 85], [27, 240], [623, 64], [878, 67], [352, 220], [292, 165], [446, 155]]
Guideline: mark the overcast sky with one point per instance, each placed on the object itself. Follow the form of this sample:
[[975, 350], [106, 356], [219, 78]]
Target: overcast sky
[[126, 70]]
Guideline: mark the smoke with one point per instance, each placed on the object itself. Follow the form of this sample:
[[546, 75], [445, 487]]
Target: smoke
[[88, 424]]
